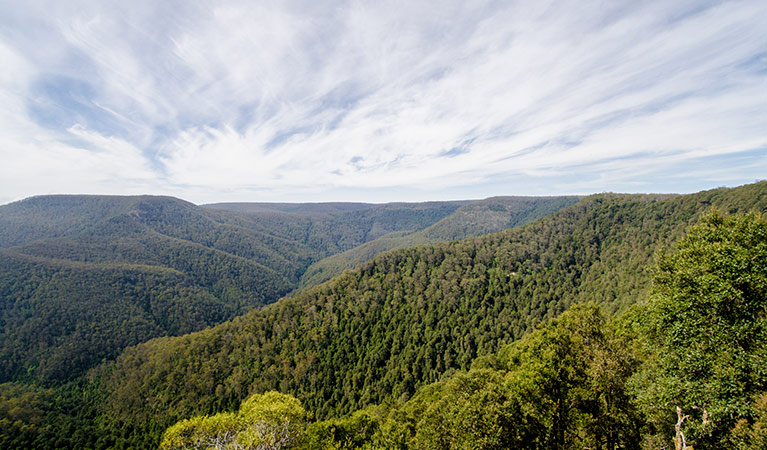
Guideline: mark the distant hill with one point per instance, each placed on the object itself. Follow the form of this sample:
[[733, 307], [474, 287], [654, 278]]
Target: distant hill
[[472, 219], [330, 228], [52, 216], [310, 209], [89, 275], [406, 318], [83, 276]]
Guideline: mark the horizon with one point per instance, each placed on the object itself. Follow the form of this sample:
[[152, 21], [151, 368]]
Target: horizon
[[298, 102], [448, 200]]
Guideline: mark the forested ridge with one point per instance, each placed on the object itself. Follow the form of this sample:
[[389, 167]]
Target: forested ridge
[[406, 318], [683, 368], [470, 220], [134, 269], [82, 277]]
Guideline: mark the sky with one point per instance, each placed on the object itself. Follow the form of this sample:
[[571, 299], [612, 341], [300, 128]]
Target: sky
[[380, 100]]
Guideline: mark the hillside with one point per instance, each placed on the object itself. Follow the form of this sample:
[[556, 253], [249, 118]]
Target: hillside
[[685, 364], [324, 227], [92, 275], [407, 317], [472, 219], [82, 277], [335, 227]]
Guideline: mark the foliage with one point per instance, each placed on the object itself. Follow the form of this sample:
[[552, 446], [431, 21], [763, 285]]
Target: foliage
[[382, 333], [476, 218], [563, 386], [350, 432], [115, 271], [409, 316], [219, 432], [574, 372], [33, 417], [752, 433], [83, 277], [700, 343], [709, 329], [22, 413], [270, 421]]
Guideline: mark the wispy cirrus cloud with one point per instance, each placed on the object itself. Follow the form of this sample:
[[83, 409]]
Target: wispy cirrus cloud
[[388, 101]]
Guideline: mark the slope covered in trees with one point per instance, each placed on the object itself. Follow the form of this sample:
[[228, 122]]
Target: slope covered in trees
[[686, 367], [470, 220], [323, 228], [82, 277], [122, 270], [406, 318], [336, 227]]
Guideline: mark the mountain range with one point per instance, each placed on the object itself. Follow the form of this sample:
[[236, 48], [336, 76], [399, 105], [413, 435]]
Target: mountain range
[[378, 301], [83, 277]]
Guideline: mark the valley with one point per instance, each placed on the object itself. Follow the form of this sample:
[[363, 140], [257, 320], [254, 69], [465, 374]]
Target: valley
[[377, 334]]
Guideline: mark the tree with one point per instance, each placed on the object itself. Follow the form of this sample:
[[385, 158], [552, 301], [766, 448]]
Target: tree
[[203, 432], [570, 376], [708, 324], [471, 412], [354, 431], [563, 386], [749, 434], [270, 421]]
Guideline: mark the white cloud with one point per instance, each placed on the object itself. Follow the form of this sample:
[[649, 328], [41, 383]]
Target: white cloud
[[210, 99], [36, 160]]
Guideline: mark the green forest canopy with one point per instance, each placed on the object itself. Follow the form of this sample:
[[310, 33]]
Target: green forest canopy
[[83, 277], [410, 316], [697, 345], [376, 334]]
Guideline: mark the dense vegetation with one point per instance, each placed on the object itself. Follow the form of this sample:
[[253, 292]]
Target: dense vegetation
[[147, 267], [264, 421], [90, 275], [408, 317], [335, 227], [472, 219], [698, 343], [687, 367], [377, 334], [82, 277]]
